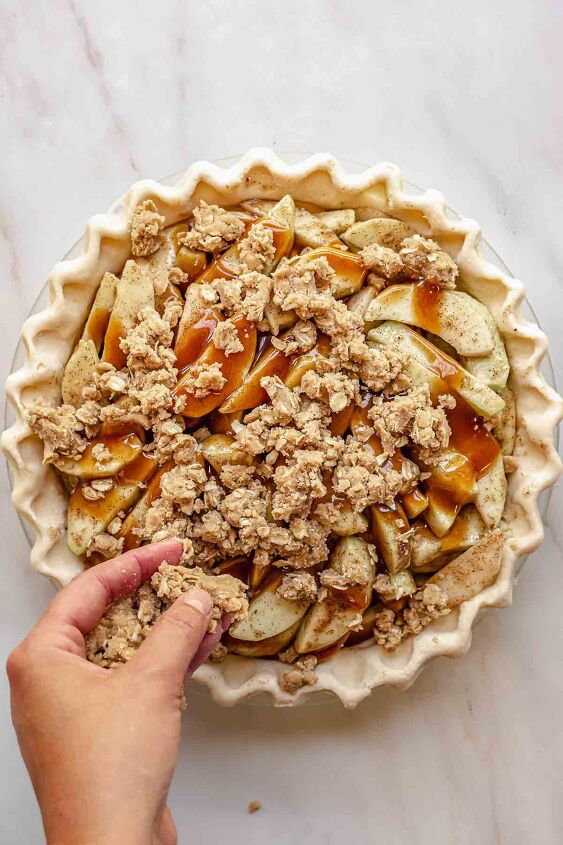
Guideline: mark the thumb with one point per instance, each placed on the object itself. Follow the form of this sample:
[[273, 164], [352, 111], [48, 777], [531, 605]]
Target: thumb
[[174, 639]]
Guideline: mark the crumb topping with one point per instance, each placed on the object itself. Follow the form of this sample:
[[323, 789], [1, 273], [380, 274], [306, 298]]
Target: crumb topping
[[146, 227], [126, 623], [213, 228], [423, 259], [297, 586], [225, 337], [302, 674], [427, 604], [257, 250]]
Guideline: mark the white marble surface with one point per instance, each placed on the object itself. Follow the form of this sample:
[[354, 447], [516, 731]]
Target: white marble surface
[[466, 98]]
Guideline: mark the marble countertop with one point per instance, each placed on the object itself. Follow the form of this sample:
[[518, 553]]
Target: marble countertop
[[465, 98]]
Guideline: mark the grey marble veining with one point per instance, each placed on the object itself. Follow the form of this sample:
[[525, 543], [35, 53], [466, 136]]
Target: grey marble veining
[[465, 98]]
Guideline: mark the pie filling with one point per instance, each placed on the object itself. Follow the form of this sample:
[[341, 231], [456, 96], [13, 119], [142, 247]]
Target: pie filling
[[311, 404]]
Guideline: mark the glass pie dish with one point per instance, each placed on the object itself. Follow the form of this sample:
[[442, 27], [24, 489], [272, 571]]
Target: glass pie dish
[[352, 673]]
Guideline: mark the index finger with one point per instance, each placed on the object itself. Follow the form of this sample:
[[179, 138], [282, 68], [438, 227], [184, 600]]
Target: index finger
[[82, 603]]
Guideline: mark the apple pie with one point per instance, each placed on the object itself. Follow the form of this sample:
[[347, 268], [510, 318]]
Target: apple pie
[[311, 400]]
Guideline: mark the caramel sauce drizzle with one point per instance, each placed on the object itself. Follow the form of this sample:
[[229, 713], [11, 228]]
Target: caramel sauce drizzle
[[427, 299], [234, 368]]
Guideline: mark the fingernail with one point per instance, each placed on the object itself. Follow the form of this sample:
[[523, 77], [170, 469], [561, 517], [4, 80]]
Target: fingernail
[[200, 600]]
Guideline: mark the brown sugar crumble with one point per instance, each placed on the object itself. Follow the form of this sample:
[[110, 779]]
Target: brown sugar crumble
[[146, 227], [254, 806]]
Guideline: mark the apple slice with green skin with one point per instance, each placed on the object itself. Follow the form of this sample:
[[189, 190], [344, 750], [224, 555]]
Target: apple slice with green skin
[[78, 372], [378, 230], [471, 572], [490, 497], [505, 424], [262, 648], [221, 449], [348, 268], [338, 220], [87, 518], [98, 318], [330, 620], [134, 292], [412, 345], [269, 614], [312, 232], [467, 530], [391, 532], [233, 367], [443, 312], [491, 369]]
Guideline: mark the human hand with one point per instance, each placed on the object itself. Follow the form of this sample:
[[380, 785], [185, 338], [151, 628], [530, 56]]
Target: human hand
[[100, 745]]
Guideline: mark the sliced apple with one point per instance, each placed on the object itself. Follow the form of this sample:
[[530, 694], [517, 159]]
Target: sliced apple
[[471, 572], [258, 207], [123, 448], [98, 318], [221, 449], [134, 292], [349, 271], [366, 212], [451, 317], [392, 536], [379, 230], [359, 303], [301, 364], [234, 368], [197, 313], [78, 372], [195, 338], [223, 423], [283, 213], [412, 345], [467, 529], [329, 620], [338, 220], [414, 502], [262, 648], [87, 518], [490, 497], [452, 484], [491, 369], [505, 424], [312, 232], [268, 614], [250, 394], [345, 521]]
